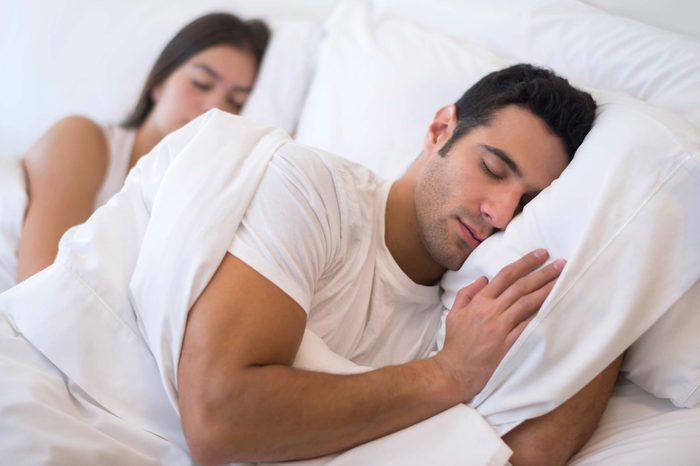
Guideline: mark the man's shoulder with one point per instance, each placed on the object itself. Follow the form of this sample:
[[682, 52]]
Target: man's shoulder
[[342, 192], [318, 166]]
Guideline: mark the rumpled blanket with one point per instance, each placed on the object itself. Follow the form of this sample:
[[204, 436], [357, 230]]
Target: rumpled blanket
[[108, 317]]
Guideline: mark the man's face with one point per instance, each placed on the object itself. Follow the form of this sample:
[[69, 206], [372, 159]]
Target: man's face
[[483, 181]]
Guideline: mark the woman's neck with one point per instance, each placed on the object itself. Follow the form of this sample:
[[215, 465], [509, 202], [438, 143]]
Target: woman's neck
[[147, 136]]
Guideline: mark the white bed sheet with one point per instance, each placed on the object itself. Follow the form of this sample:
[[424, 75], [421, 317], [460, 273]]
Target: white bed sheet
[[46, 420], [642, 430], [13, 203]]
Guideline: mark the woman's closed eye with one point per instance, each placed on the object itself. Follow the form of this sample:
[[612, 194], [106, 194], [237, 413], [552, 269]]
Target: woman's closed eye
[[201, 85]]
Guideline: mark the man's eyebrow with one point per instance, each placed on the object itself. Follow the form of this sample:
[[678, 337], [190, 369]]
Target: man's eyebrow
[[210, 71], [504, 157]]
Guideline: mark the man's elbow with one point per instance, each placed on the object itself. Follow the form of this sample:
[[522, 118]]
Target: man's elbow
[[213, 432], [203, 451], [213, 444], [537, 444], [537, 457]]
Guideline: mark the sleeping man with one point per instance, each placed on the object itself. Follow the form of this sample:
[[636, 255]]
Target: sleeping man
[[169, 324]]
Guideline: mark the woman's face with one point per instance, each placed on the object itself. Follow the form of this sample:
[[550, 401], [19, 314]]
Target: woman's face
[[217, 77]]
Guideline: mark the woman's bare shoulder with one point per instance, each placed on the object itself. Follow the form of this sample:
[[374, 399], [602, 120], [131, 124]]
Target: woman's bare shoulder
[[73, 144]]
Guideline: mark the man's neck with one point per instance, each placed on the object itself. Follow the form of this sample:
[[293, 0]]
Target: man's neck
[[402, 234]]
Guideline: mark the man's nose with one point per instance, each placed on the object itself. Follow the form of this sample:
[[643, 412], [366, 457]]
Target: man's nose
[[501, 208]]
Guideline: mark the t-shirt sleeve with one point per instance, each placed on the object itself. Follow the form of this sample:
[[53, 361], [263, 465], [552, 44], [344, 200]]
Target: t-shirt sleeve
[[287, 232]]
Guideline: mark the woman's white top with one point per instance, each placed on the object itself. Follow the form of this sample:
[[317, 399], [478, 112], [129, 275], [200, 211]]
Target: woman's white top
[[120, 142]]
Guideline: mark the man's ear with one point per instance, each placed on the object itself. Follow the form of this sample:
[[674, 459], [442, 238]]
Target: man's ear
[[441, 128]]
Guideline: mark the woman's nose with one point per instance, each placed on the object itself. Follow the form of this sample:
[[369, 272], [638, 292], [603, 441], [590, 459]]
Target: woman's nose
[[214, 100]]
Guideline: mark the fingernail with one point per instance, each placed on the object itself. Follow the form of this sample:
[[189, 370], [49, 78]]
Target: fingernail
[[559, 264], [540, 253]]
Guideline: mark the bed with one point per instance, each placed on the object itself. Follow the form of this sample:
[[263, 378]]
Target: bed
[[338, 75]]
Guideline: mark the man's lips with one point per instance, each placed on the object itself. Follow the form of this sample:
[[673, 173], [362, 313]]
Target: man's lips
[[469, 235]]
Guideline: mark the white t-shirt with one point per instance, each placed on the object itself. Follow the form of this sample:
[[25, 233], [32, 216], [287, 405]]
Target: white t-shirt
[[315, 228]]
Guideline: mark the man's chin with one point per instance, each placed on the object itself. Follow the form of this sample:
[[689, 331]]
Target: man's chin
[[454, 262]]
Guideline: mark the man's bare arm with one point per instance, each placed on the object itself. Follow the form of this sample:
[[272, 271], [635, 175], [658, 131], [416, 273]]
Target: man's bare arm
[[552, 439], [240, 400]]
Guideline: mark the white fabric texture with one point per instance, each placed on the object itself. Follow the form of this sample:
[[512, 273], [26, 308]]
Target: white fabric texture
[[111, 320], [378, 84], [316, 230], [385, 66], [285, 73], [46, 420], [13, 204], [666, 359], [593, 48], [638, 429], [624, 214]]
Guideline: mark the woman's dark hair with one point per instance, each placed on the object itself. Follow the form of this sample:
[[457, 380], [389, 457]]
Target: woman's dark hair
[[204, 32], [567, 111]]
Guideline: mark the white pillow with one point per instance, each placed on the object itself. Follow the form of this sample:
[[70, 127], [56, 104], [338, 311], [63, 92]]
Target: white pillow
[[588, 45], [285, 74], [625, 216], [666, 359], [385, 66], [378, 85]]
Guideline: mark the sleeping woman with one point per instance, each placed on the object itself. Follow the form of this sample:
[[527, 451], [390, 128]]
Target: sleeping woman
[[78, 164]]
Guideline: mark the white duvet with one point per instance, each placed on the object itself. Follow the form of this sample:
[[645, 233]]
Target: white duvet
[[89, 347]]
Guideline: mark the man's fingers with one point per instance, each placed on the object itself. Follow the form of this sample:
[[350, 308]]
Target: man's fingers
[[515, 333], [466, 294], [513, 272], [526, 306], [531, 282], [523, 311]]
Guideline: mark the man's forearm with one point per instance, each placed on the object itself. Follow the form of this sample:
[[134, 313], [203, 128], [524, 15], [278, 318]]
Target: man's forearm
[[306, 414]]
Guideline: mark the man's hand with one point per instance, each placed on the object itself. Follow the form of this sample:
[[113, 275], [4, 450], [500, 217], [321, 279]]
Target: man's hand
[[487, 318]]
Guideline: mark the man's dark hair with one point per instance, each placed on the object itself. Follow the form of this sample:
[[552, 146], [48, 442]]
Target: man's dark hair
[[567, 111]]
